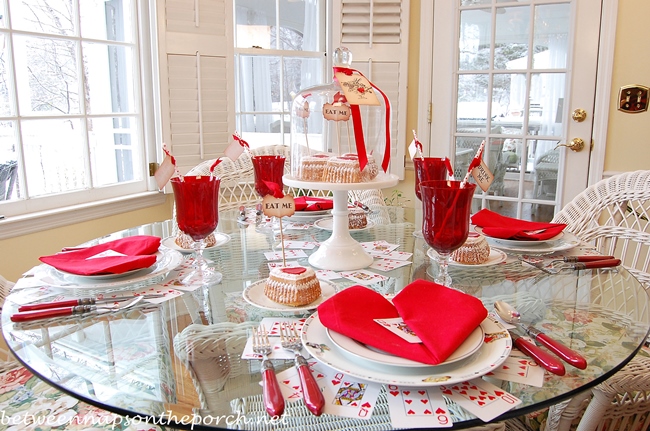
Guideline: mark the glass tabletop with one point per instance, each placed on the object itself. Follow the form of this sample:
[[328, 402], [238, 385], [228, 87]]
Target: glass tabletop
[[179, 361]]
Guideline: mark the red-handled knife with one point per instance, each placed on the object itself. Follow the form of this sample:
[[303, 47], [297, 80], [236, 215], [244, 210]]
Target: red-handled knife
[[588, 258], [543, 358], [81, 301], [605, 263], [570, 356]]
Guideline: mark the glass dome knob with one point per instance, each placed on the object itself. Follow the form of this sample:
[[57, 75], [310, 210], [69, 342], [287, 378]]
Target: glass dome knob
[[342, 57]]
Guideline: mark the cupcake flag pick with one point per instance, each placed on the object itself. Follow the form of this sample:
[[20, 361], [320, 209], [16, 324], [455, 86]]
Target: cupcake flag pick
[[479, 170], [236, 148], [278, 205], [166, 170]]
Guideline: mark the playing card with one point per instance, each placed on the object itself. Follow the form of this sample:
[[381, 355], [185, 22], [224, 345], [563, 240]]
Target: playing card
[[398, 327], [288, 254], [349, 397], [417, 407], [296, 226], [326, 274], [290, 381], [273, 324], [396, 255], [303, 245], [481, 398], [364, 277], [521, 370], [388, 264], [379, 247], [289, 264]]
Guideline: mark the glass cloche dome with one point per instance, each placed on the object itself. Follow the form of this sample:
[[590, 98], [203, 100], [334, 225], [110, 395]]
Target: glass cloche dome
[[340, 132]]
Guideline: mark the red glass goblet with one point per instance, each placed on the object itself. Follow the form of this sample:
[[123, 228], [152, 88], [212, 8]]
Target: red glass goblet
[[268, 174], [197, 215], [429, 169], [446, 206]]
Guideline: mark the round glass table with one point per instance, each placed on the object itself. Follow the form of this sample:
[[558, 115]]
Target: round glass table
[[178, 361]]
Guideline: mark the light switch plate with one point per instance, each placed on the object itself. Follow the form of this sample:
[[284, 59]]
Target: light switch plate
[[633, 99]]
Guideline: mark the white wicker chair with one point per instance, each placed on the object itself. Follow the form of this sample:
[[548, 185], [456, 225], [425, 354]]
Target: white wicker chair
[[614, 216], [238, 183], [212, 355]]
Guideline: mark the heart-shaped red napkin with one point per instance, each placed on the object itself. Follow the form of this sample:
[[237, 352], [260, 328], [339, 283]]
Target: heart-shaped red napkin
[[311, 203], [138, 252], [351, 313], [498, 226]]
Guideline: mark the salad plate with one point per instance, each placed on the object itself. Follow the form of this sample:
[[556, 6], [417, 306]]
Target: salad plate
[[254, 295], [496, 257], [359, 350], [567, 242], [221, 239]]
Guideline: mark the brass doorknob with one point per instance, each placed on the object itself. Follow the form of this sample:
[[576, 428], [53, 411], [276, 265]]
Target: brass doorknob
[[576, 144], [579, 115]]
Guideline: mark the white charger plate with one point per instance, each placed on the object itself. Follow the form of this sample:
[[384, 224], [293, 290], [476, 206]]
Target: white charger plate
[[496, 347], [166, 261], [254, 295], [520, 242], [328, 224], [496, 257], [471, 344], [221, 239]]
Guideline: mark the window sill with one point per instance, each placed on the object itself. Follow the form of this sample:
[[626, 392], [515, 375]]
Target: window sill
[[31, 223]]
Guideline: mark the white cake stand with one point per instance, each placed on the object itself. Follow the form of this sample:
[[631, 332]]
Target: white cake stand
[[341, 252]]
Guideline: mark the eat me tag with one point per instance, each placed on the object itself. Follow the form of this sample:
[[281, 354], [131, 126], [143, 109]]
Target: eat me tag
[[274, 207]]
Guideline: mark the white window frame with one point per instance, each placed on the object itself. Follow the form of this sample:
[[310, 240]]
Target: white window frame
[[30, 215]]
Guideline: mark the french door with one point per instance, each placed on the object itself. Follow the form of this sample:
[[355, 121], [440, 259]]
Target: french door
[[521, 76]]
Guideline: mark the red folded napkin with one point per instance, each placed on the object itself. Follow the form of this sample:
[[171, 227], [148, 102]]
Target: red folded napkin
[[443, 318], [498, 226], [311, 203], [138, 253]]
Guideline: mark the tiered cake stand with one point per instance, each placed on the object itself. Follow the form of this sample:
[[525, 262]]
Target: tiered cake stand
[[341, 252]]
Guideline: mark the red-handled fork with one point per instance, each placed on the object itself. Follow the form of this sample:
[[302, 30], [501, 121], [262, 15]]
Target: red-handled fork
[[311, 393], [273, 399]]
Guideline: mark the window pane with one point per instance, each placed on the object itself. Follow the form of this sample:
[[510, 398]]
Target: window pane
[[109, 74], [9, 186], [259, 83], [6, 91], [551, 36], [54, 156], [475, 38], [299, 73], [294, 19], [52, 16], [511, 38], [254, 21], [110, 20], [47, 76], [114, 150]]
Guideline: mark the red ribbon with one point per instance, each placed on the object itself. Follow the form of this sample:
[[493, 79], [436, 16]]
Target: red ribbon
[[358, 127]]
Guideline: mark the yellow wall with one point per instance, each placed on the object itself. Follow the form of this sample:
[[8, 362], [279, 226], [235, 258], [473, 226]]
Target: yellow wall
[[628, 144], [628, 135]]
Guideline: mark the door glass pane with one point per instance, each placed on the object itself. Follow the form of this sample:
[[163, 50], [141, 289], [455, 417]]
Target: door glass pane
[[545, 161], [472, 109], [551, 36], [511, 38], [475, 39], [546, 111]]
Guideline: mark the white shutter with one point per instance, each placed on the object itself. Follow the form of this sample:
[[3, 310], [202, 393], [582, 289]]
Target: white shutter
[[195, 67], [376, 32]]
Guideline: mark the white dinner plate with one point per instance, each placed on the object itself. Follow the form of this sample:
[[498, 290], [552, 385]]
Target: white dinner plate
[[254, 295], [328, 224], [567, 242], [364, 352], [520, 242], [170, 242], [496, 257], [495, 349], [166, 261]]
